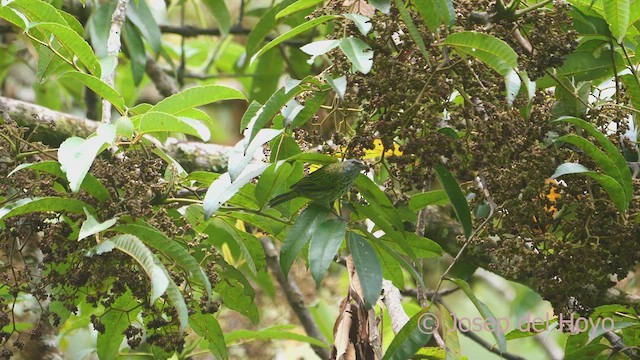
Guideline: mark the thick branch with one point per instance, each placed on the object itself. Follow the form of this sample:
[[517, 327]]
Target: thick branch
[[53, 127], [294, 297]]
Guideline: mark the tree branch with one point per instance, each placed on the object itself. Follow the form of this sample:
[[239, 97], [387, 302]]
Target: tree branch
[[113, 49], [294, 297], [53, 127]]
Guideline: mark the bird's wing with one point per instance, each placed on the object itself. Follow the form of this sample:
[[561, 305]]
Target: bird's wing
[[316, 181]]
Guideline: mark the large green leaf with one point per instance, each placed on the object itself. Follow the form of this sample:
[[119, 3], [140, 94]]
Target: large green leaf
[[76, 155], [367, 267], [433, 197], [237, 293], [291, 33], [72, 43], [220, 12], [196, 96], [413, 31], [135, 248], [612, 152], [264, 26], [486, 314], [206, 326], [297, 6], [609, 184], [118, 317], [99, 87], [223, 189], [92, 226], [358, 52], [42, 204], [492, 51], [300, 234], [413, 335], [435, 12], [600, 158], [325, 243], [172, 250], [616, 13], [140, 15], [154, 121], [456, 197]]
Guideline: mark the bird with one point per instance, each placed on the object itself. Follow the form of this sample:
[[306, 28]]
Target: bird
[[325, 185]]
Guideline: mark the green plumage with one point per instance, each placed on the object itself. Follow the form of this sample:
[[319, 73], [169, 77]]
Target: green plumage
[[324, 185]]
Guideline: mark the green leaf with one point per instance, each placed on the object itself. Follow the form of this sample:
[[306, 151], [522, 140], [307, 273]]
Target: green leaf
[[325, 243], [492, 51], [610, 149], [249, 246], [362, 22], [55, 204], [435, 12], [172, 250], [367, 267], [300, 234], [136, 51], [339, 85], [76, 155], [291, 33], [358, 52], [115, 320], [413, 31], [456, 197], [153, 121], [379, 201], [244, 152], [297, 6], [486, 314], [264, 26], [273, 333], [272, 181], [140, 15], [598, 156], [99, 87], [449, 334], [92, 226], [237, 293], [616, 13], [433, 197], [220, 12], [270, 109], [413, 335], [99, 26], [609, 184], [512, 85], [384, 6], [196, 96], [266, 76], [318, 48], [633, 87], [73, 44], [135, 248], [206, 326], [223, 189]]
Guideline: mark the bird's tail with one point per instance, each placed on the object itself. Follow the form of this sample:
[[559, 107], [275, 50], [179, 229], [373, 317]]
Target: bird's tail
[[282, 198]]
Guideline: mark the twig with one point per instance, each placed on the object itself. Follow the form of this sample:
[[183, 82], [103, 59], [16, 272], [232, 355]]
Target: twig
[[480, 341], [294, 297]]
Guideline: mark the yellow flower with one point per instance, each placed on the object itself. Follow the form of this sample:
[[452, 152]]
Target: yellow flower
[[378, 148]]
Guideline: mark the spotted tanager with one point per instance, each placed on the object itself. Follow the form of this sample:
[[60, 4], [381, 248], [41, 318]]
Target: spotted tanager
[[325, 185]]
